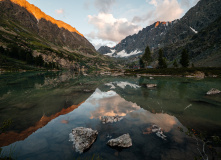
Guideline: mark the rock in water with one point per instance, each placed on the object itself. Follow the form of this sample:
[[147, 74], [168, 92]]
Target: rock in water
[[151, 85], [155, 129], [122, 141], [110, 119], [82, 138], [213, 91]]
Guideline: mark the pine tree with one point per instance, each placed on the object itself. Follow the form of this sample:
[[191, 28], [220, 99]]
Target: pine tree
[[184, 61], [146, 58], [29, 58], [175, 65], [161, 60], [141, 63]]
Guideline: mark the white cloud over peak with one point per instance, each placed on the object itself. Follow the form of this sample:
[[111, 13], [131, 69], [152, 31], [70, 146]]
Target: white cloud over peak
[[168, 10], [104, 6], [153, 2], [110, 28], [164, 10]]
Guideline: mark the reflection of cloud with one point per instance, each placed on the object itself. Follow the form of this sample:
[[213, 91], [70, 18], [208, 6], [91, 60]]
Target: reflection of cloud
[[165, 121], [110, 104]]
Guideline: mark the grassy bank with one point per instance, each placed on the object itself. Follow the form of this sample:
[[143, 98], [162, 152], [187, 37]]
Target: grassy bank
[[176, 71]]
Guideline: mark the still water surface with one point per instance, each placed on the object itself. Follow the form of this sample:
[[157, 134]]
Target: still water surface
[[45, 107]]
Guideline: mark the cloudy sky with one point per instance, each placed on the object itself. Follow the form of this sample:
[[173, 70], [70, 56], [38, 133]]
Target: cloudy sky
[[107, 22]]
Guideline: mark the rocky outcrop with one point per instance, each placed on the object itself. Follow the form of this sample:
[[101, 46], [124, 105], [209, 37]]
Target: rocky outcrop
[[123, 141], [104, 50], [197, 74], [82, 138], [151, 85], [213, 91], [110, 119]]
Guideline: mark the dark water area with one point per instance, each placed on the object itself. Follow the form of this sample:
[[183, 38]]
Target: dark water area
[[45, 107]]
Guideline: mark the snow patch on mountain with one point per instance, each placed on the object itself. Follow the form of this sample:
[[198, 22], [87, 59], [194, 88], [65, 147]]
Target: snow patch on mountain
[[123, 53], [194, 30], [111, 53]]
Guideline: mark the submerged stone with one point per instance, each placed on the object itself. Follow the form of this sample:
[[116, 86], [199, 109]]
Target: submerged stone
[[123, 141], [213, 91], [151, 85], [155, 129], [110, 119], [82, 138]]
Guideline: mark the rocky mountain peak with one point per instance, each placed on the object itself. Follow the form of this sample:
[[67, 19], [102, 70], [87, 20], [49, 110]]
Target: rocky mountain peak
[[38, 14], [159, 22], [161, 34]]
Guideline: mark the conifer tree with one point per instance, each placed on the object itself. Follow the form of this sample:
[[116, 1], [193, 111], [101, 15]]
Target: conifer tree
[[146, 58], [161, 60], [184, 61], [141, 63], [175, 65]]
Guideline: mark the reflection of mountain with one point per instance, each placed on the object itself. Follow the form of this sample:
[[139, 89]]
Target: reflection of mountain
[[31, 100], [110, 104], [12, 136], [172, 96]]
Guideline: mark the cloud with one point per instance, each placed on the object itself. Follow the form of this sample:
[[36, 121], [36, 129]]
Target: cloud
[[185, 3], [153, 2], [59, 11], [104, 6], [168, 10], [110, 28], [147, 16], [164, 10]]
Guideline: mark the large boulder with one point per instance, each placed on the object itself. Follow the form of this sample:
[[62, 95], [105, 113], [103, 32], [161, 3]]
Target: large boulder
[[123, 141], [213, 91], [82, 138], [110, 119]]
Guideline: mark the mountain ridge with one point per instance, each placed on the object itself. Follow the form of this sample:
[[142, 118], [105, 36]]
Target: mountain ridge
[[43, 27], [197, 18], [27, 42], [38, 14]]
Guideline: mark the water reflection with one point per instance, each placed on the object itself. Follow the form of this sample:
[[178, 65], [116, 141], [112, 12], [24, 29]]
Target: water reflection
[[110, 104], [36, 99], [44, 116], [13, 136]]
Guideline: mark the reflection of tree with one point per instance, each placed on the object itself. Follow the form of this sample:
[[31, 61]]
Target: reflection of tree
[[182, 89], [160, 87], [144, 90], [141, 81]]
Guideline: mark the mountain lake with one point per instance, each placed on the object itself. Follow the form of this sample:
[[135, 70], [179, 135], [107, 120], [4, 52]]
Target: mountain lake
[[39, 111]]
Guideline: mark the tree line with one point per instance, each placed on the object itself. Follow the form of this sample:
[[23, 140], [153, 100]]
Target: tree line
[[146, 59], [27, 56]]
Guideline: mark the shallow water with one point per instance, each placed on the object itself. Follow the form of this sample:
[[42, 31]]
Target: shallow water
[[45, 107]]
